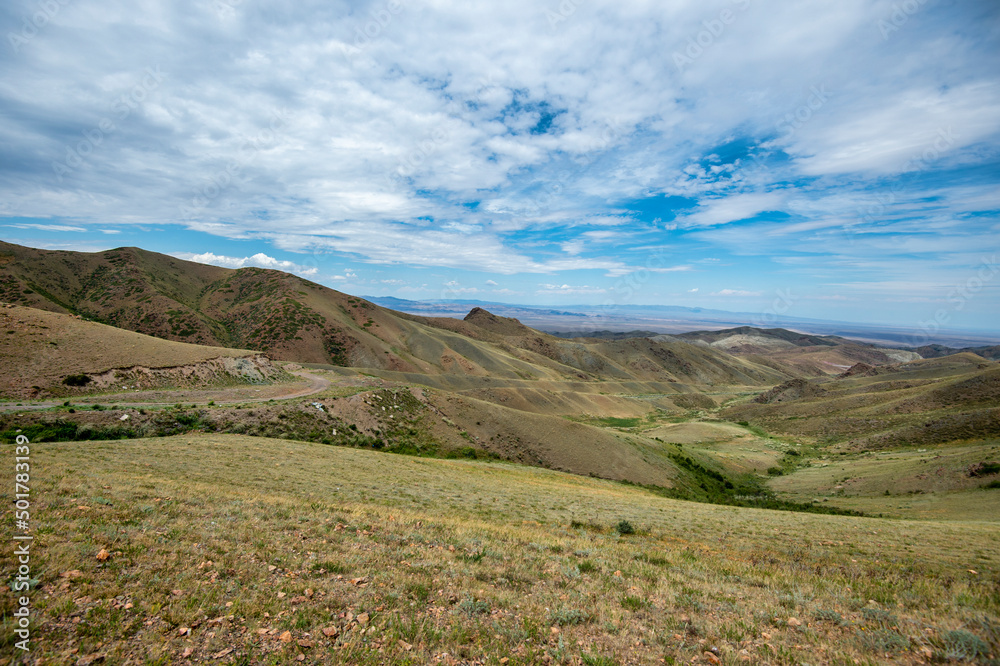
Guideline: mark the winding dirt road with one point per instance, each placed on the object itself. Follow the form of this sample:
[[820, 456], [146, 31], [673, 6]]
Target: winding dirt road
[[317, 384]]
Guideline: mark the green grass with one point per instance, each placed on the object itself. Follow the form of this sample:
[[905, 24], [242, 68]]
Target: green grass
[[240, 539]]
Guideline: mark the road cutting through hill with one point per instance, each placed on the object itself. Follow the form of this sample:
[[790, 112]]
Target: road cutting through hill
[[317, 384]]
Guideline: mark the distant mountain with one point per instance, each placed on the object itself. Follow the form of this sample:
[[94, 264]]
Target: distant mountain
[[576, 321], [604, 335], [937, 351]]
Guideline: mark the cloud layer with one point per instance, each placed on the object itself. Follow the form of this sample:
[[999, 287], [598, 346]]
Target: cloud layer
[[846, 143]]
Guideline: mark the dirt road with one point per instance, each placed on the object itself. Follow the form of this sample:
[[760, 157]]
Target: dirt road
[[317, 384]]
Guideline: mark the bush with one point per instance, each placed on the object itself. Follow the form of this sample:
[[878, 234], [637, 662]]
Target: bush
[[76, 380], [624, 527], [563, 617], [472, 607], [829, 616], [775, 471], [960, 644]]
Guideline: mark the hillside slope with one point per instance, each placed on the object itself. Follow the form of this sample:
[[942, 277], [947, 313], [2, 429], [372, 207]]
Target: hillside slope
[[270, 551], [293, 319], [810, 355], [39, 350], [922, 403]]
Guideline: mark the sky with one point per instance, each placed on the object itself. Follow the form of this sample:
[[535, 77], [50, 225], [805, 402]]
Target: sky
[[835, 160]]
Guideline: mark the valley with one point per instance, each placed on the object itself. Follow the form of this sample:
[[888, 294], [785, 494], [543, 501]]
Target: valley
[[478, 490]]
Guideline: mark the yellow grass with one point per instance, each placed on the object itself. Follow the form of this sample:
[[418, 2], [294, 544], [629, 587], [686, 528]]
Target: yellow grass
[[237, 540]]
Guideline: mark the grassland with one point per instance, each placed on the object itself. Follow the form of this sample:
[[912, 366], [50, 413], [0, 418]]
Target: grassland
[[262, 551]]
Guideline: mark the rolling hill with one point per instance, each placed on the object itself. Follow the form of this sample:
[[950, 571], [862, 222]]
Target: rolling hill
[[50, 354], [292, 319]]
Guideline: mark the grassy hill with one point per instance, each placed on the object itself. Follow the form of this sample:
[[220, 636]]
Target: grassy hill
[[800, 353], [293, 319], [45, 354], [256, 551]]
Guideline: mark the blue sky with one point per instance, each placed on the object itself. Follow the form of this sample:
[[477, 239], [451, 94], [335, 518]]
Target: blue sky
[[842, 158]]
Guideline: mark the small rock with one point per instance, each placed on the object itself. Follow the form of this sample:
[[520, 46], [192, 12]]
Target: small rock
[[330, 632], [794, 622], [285, 637], [184, 631], [188, 651], [712, 659], [103, 555], [281, 595], [305, 643], [363, 618], [406, 646]]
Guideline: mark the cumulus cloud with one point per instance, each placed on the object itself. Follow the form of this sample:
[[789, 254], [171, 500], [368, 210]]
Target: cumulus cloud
[[735, 292], [259, 260], [566, 289], [48, 227], [487, 137]]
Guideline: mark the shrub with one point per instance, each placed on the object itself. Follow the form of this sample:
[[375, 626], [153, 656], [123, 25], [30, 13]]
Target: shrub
[[961, 644], [883, 640], [624, 527], [76, 380], [829, 616], [568, 616], [472, 607], [635, 603], [775, 471]]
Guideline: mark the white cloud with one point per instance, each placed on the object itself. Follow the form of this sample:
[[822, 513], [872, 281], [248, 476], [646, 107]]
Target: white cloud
[[259, 260], [491, 283], [424, 147], [566, 289], [735, 292], [48, 227], [722, 210]]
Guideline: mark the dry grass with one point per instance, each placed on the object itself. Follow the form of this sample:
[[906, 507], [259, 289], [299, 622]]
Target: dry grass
[[404, 560]]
